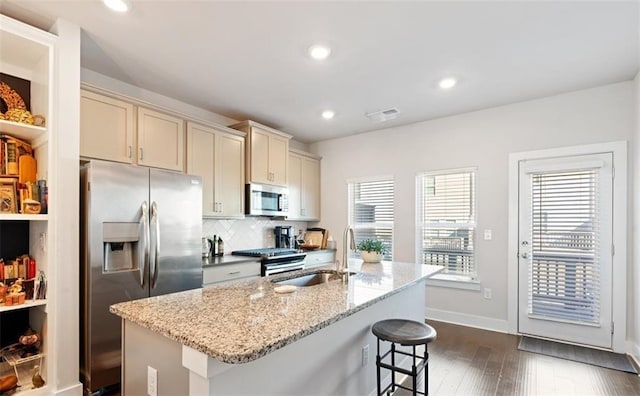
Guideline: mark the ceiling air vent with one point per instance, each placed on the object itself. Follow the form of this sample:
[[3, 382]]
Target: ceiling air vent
[[383, 115]]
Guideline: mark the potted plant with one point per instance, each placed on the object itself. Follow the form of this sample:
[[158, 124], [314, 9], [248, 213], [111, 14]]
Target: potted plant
[[371, 250]]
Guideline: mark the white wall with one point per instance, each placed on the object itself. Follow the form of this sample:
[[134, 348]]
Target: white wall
[[633, 324], [481, 139]]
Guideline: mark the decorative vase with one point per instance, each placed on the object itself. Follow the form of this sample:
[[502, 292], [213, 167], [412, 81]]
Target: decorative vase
[[371, 257]]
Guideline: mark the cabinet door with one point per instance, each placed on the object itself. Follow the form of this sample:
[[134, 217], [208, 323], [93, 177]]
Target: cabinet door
[[278, 159], [259, 156], [295, 185], [310, 191], [230, 272], [160, 140], [201, 162], [229, 175], [319, 258], [106, 128]]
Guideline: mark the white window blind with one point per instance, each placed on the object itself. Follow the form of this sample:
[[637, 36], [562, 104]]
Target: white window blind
[[371, 211], [447, 221], [564, 273]]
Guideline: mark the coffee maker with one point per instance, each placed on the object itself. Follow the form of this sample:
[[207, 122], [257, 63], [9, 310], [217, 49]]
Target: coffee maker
[[283, 236]]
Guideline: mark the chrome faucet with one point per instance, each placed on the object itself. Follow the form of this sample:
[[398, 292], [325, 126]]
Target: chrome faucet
[[342, 268]]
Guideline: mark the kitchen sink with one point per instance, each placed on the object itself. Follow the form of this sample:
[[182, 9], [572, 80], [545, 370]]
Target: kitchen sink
[[314, 278]]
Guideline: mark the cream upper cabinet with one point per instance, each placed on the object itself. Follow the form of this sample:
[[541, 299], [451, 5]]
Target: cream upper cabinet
[[304, 186], [108, 131], [160, 140], [106, 128], [218, 157], [267, 153]]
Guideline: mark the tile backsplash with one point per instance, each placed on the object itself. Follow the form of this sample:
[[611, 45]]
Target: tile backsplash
[[248, 233]]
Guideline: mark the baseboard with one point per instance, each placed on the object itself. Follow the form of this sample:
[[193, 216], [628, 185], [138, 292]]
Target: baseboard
[[73, 390], [480, 322], [634, 352]]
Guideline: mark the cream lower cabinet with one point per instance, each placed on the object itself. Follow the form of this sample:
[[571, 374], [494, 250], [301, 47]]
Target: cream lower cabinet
[[225, 273], [318, 258], [108, 131], [267, 153], [304, 186], [106, 128], [218, 157]]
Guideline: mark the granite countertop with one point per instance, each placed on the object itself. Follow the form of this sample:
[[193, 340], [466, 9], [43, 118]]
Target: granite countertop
[[246, 320], [229, 259]]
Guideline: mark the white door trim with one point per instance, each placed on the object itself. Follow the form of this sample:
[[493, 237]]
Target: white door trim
[[620, 182]]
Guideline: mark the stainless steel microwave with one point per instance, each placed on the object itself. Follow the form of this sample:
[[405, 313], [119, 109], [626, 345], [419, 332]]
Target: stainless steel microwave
[[265, 200]]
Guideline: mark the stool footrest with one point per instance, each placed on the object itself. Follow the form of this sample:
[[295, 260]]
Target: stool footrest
[[402, 370]]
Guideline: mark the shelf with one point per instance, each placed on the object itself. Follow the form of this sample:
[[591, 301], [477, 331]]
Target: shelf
[[14, 359], [18, 216], [27, 304], [22, 131]]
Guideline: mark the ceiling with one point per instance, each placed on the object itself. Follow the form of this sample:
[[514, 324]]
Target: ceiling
[[248, 60]]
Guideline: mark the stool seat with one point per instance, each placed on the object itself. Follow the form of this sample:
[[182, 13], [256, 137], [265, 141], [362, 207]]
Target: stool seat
[[404, 332]]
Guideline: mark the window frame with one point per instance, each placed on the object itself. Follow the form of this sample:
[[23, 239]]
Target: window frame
[[383, 225], [443, 279]]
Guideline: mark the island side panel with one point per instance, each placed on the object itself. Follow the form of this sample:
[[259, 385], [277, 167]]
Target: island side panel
[[142, 348], [327, 362]]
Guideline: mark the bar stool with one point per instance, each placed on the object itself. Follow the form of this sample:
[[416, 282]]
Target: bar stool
[[406, 333]]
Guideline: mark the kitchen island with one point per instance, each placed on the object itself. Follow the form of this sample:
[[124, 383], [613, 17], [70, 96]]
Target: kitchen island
[[245, 338]]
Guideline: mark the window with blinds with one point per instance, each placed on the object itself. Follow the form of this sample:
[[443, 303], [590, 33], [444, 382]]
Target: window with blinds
[[371, 211], [564, 273], [447, 221]]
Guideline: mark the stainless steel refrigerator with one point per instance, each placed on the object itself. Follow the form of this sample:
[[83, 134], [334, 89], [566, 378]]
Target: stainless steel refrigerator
[[140, 237]]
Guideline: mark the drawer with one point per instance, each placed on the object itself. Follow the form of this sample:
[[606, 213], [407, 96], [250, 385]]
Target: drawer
[[315, 259], [229, 272]]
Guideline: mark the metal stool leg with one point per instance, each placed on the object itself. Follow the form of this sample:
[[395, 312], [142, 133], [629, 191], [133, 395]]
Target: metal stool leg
[[426, 370], [414, 373], [393, 365], [378, 368]]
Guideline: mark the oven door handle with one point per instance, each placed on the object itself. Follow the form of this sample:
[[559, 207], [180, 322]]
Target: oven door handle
[[285, 266]]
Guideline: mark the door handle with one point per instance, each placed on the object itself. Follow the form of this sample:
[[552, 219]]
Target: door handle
[[154, 269], [144, 223]]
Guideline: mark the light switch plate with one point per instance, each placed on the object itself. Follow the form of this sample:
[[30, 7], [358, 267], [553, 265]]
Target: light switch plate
[[487, 235]]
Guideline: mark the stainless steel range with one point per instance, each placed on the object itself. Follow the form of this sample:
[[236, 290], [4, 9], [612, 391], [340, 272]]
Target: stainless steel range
[[276, 260]]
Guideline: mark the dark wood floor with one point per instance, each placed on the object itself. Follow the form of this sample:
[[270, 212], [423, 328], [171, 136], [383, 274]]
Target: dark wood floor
[[468, 361]]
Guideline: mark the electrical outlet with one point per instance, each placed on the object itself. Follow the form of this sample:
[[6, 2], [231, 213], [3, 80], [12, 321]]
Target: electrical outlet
[[152, 381], [487, 235], [365, 355], [487, 293]]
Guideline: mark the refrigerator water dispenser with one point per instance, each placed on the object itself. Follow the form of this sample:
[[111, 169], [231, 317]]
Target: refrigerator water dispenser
[[120, 244]]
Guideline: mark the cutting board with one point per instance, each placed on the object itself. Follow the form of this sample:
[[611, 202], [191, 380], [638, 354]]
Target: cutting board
[[26, 169]]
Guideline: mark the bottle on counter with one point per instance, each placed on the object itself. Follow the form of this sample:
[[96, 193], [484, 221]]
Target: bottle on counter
[[220, 247], [214, 246]]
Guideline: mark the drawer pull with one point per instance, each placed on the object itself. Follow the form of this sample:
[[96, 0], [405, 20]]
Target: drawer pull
[[234, 273]]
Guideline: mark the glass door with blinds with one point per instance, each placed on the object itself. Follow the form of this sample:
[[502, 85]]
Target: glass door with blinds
[[565, 249], [371, 211]]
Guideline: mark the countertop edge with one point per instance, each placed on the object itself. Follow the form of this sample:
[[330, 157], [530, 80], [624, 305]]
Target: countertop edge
[[252, 355]]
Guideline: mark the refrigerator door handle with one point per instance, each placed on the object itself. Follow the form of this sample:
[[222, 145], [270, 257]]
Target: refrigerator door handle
[[156, 219], [144, 222]]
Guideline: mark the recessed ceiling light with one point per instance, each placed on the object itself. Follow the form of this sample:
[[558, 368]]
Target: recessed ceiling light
[[117, 5], [447, 83], [319, 52], [328, 114]]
